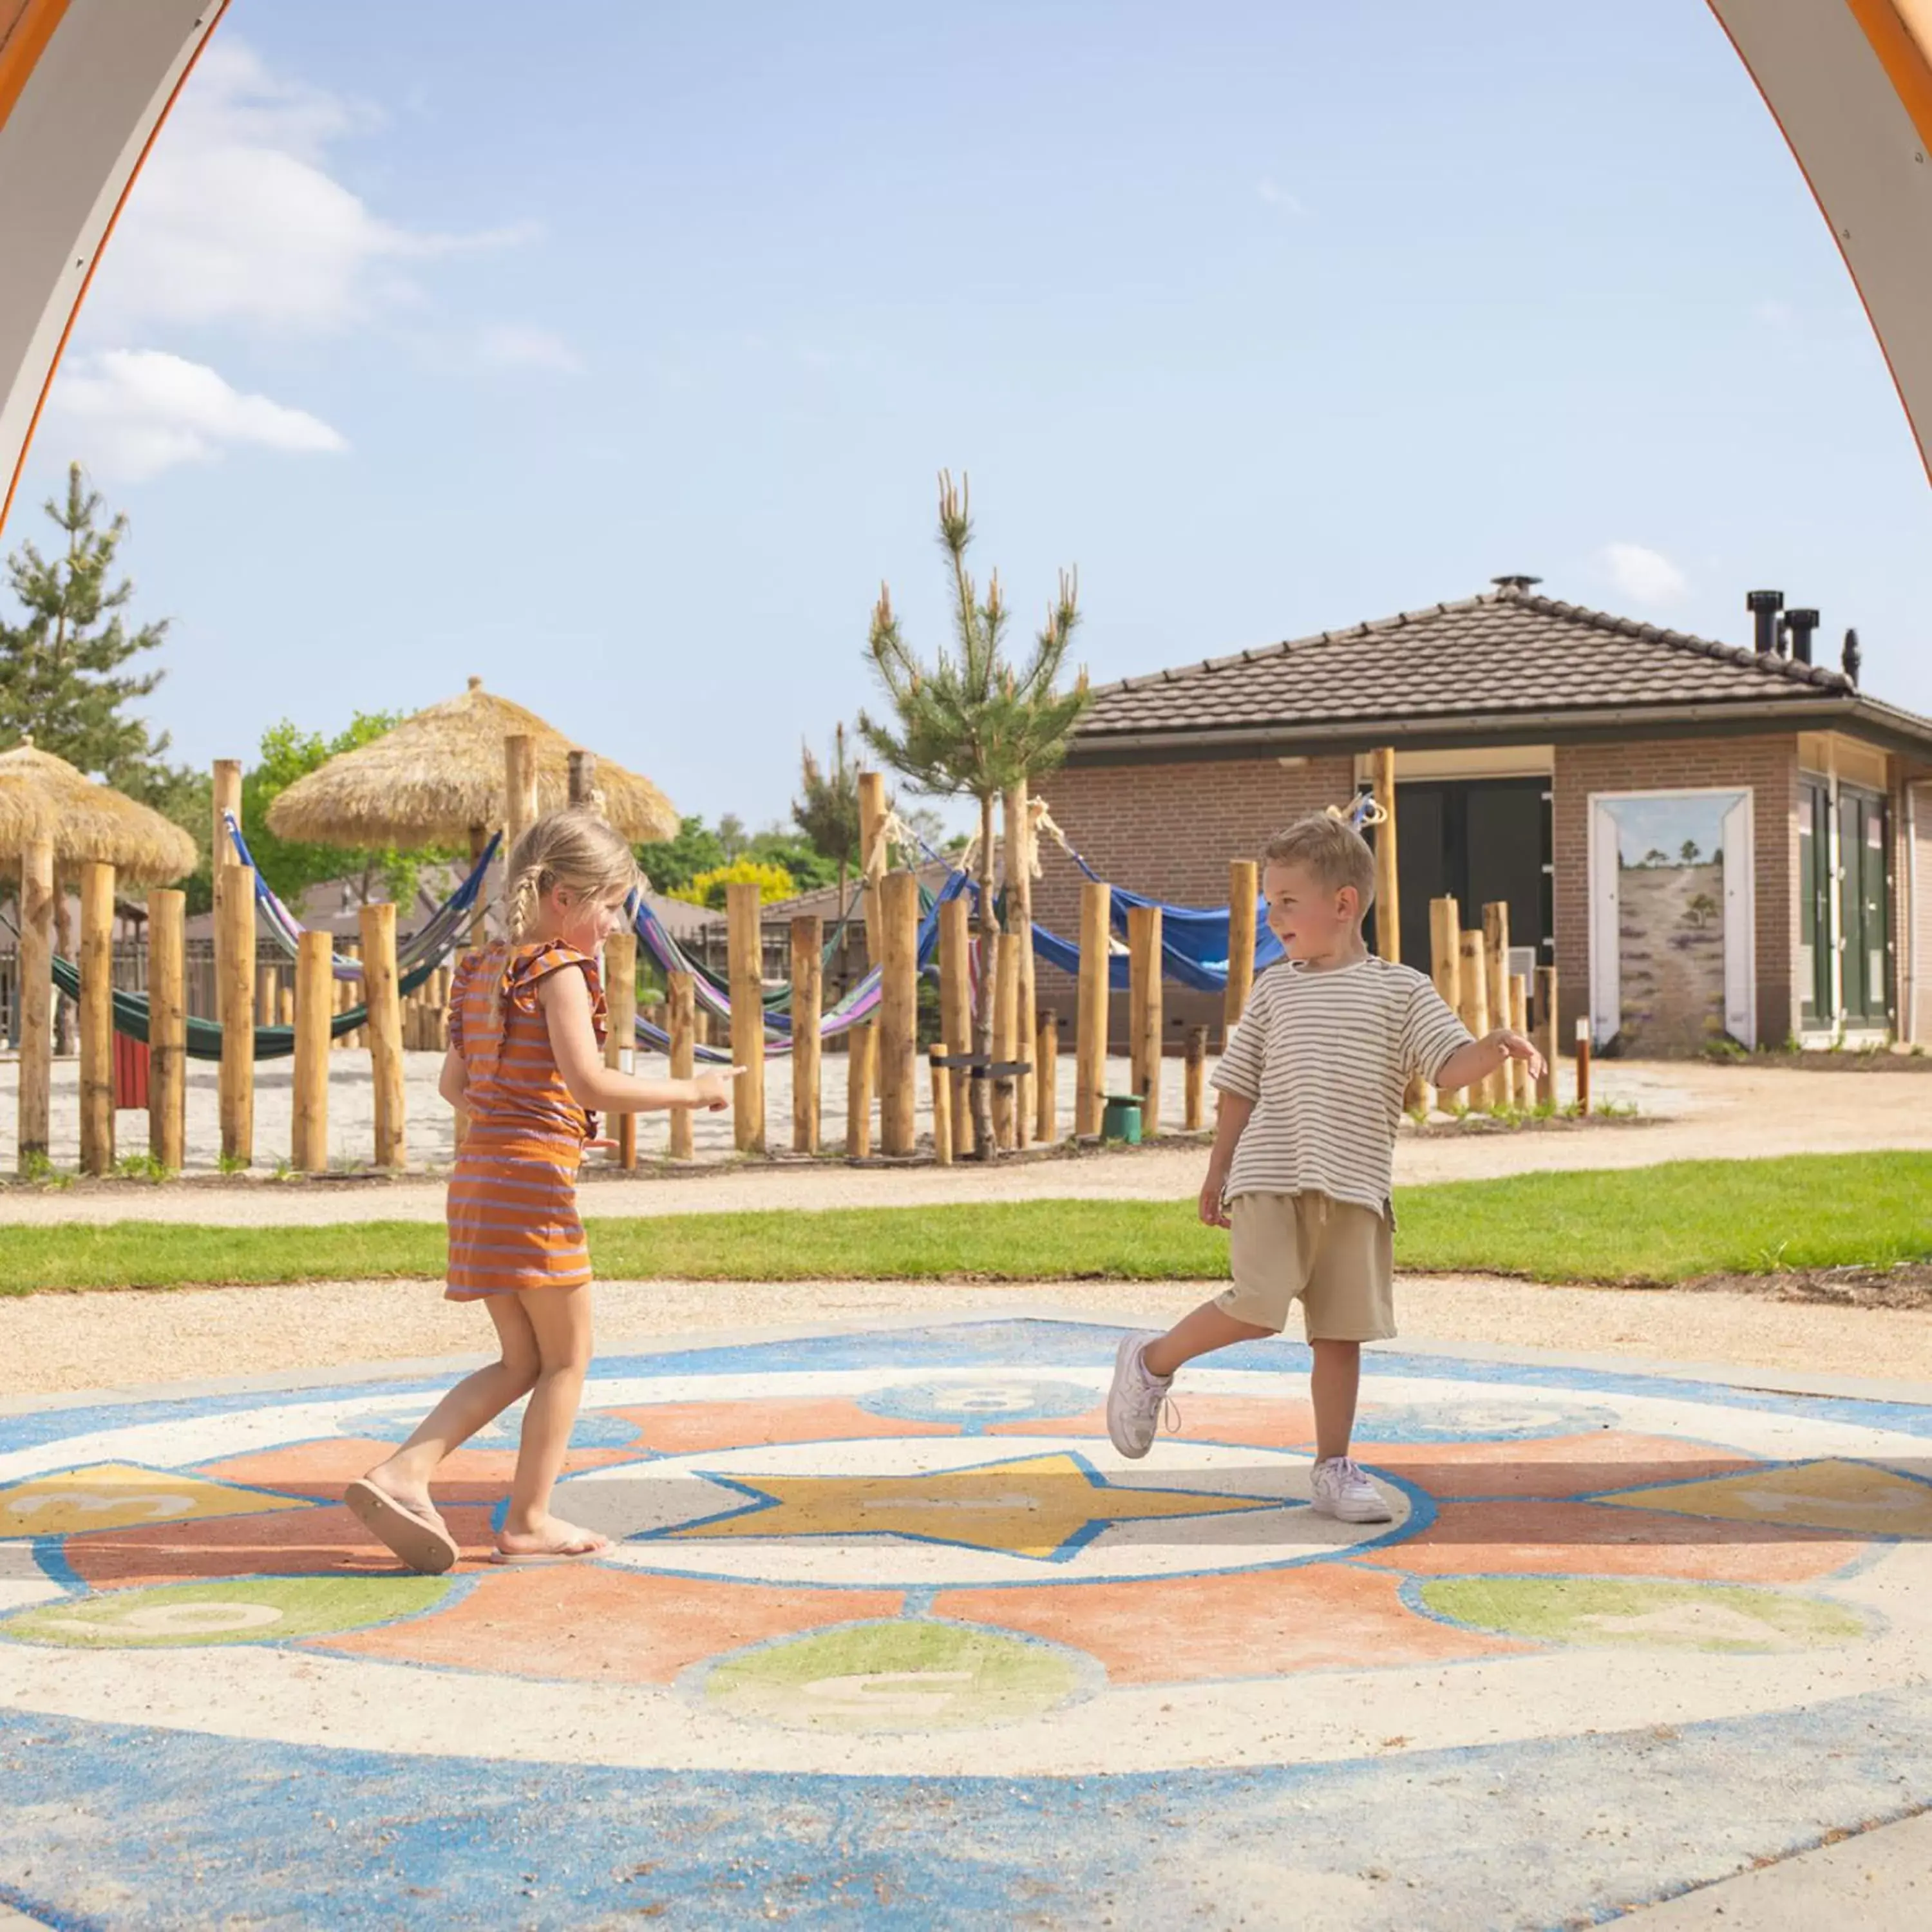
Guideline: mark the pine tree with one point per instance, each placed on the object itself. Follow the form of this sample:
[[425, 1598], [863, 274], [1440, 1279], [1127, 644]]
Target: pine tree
[[59, 669], [828, 813], [970, 723]]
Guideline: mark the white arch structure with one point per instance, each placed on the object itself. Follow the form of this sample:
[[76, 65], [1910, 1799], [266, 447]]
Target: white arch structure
[[85, 84]]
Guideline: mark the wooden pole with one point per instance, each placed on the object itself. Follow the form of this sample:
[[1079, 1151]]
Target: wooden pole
[[1521, 1096], [859, 1059], [1195, 1094], [520, 787], [1546, 1034], [898, 1012], [1019, 854], [808, 957], [235, 988], [872, 857], [382, 994], [1496, 955], [1243, 895], [167, 1029], [583, 777], [683, 1031], [955, 1010], [1583, 1066], [1475, 1008], [1388, 891], [346, 993], [1146, 1008], [315, 1004], [1005, 1038], [1445, 951], [37, 1003], [479, 843], [942, 1107], [620, 1039], [227, 798], [1089, 1046], [745, 955], [96, 1018], [1046, 1079]]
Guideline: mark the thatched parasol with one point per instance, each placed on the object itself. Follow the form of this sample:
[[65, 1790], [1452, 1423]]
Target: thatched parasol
[[42, 796], [439, 776]]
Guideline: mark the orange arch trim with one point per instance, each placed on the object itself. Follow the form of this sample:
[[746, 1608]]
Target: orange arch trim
[[57, 7], [1899, 31], [23, 39]]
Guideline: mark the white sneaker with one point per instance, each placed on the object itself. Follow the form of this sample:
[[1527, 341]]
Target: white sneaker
[[1136, 1399], [1340, 1489]]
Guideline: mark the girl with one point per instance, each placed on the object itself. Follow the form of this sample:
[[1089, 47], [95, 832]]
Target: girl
[[525, 1063]]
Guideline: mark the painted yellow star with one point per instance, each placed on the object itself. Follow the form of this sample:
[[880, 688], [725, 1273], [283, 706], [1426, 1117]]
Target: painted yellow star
[[1037, 1506], [1854, 1498], [117, 1496]]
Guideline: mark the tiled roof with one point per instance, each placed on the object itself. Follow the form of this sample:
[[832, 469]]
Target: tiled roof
[[1507, 651]]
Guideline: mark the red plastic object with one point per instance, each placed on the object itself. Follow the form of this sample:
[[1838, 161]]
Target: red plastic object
[[130, 1072]]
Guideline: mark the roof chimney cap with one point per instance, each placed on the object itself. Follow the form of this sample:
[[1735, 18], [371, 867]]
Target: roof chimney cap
[[1764, 606], [1516, 584], [1799, 625], [1853, 657]]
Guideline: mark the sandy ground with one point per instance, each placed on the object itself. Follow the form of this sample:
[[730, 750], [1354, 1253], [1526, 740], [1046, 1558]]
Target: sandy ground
[[56, 1343], [430, 1141], [1685, 1110]]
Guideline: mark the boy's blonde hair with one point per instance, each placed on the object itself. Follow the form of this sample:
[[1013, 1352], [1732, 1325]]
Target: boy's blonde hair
[[573, 848], [1329, 848]]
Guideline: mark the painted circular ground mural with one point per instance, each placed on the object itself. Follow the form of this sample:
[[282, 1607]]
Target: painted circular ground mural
[[915, 1554]]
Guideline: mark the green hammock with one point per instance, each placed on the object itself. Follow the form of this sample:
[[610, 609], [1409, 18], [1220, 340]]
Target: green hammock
[[204, 1036]]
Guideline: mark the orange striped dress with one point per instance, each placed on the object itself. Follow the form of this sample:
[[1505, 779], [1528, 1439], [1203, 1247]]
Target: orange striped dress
[[513, 1220]]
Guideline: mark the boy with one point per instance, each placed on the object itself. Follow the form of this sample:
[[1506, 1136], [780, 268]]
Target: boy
[[1311, 1086]]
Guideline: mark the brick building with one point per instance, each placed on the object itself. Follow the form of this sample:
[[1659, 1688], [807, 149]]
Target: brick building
[[1703, 838]]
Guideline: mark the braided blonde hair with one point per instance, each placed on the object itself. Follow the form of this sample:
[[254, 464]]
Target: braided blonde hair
[[573, 849]]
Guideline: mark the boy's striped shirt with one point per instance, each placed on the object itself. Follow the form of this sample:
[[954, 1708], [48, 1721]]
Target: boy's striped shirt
[[1326, 1056]]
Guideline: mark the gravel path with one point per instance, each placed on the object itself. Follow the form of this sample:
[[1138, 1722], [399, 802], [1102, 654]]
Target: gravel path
[[1686, 1110], [51, 1344]]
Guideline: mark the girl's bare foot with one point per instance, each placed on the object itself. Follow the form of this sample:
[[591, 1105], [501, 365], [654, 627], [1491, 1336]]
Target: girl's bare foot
[[552, 1540]]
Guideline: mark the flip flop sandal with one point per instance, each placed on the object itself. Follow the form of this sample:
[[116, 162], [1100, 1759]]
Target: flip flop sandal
[[536, 1556], [415, 1539]]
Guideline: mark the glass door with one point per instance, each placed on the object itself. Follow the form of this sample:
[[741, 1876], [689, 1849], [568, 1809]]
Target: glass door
[[1865, 903], [1814, 903]]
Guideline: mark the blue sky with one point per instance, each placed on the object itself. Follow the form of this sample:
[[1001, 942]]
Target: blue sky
[[614, 363]]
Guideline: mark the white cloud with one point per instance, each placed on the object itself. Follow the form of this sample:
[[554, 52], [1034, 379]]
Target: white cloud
[[1276, 196], [236, 217], [1645, 576], [135, 412], [508, 346]]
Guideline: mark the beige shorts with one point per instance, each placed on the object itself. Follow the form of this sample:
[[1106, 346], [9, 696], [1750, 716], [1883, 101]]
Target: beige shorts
[[1336, 1258]]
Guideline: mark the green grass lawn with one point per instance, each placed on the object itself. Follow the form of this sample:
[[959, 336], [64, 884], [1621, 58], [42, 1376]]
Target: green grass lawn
[[1646, 1225]]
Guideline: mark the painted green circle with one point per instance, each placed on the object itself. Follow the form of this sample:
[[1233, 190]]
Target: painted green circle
[[913, 1674], [1718, 1617], [253, 1610]]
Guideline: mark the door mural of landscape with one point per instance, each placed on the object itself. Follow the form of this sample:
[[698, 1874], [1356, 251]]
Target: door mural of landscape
[[1668, 897]]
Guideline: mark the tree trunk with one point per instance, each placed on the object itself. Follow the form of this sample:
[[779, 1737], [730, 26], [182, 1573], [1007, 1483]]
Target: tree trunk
[[981, 1089], [63, 1042]]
